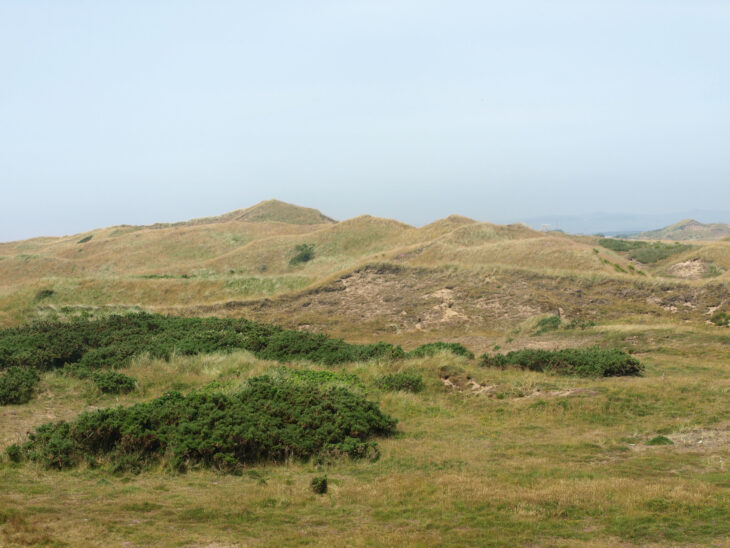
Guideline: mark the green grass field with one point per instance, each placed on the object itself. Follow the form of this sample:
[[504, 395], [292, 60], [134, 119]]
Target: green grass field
[[499, 457]]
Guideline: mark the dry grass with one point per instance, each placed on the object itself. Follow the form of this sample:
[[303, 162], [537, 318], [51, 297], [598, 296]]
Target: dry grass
[[517, 466], [244, 255]]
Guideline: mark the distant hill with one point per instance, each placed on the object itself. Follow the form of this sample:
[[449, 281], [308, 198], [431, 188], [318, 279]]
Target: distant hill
[[687, 229], [362, 270], [268, 211]]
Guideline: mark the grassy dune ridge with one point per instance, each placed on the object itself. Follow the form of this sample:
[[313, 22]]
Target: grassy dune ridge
[[245, 255]]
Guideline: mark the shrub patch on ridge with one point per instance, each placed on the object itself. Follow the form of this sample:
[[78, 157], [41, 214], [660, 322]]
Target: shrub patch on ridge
[[583, 362]]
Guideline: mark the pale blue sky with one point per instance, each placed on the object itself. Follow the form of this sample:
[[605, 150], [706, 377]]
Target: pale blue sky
[[143, 111]]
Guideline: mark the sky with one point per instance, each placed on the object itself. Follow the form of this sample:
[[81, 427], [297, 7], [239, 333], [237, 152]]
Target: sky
[[135, 112]]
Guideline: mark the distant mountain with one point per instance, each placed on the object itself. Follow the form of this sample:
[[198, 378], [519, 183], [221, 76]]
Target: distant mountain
[[687, 229], [616, 224]]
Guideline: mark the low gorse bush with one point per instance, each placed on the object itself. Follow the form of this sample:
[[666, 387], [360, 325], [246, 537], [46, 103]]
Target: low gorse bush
[[112, 382], [110, 343], [549, 323], [430, 349], [302, 253], [267, 420], [17, 385], [660, 440], [406, 382], [583, 362], [14, 453], [721, 319], [319, 485]]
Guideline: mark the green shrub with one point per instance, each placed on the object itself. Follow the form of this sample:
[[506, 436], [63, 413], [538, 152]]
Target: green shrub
[[660, 440], [17, 385], [302, 253], [395, 382], [14, 453], [620, 245], [319, 485], [110, 343], [44, 294], [268, 420], [583, 362], [580, 323], [550, 323], [111, 382], [435, 347], [85, 239], [721, 319]]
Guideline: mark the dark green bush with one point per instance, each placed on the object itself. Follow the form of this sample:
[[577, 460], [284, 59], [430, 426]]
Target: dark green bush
[[660, 440], [434, 348], [395, 382], [319, 485], [110, 343], [14, 453], [583, 362], [44, 294], [85, 239], [302, 253], [721, 319], [112, 382], [268, 420], [550, 323], [17, 385]]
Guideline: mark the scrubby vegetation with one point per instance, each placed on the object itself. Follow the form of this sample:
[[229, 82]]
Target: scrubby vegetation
[[303, 253], [297, 345], [580, 323], [721, 319], [620, 245], [660, 440], [319, 485], [267, 420], [112, 382], [583, 362], [44, 294], [14, 453], [406, 382], [550, 323], [644, 252], [112, 342], [430, 349], [17, 385]]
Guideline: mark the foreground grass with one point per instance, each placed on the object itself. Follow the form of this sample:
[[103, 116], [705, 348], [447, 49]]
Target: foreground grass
[[540, 459]]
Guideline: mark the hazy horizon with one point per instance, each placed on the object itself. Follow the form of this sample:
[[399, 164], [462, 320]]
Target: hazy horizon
[[138, 113]]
